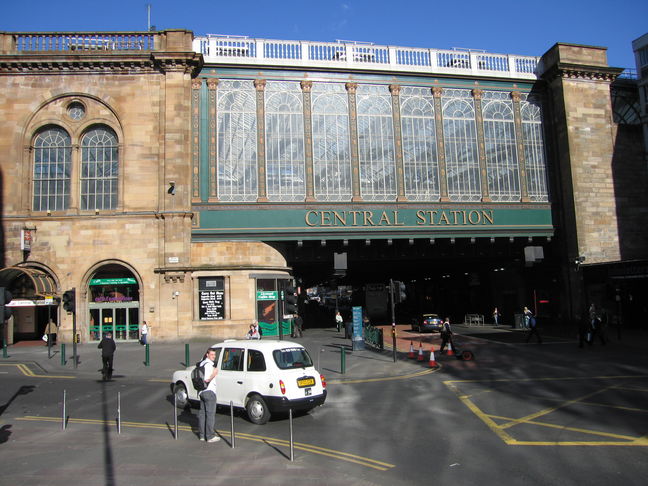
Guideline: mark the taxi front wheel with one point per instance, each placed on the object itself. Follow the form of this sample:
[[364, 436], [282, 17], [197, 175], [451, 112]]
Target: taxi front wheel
[[257, 410]]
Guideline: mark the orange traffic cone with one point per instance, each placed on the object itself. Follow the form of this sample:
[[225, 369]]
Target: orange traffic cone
[[433, 363], [411, 354], [420, 353], [450, 350]]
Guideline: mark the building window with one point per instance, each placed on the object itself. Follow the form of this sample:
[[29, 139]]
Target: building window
[[502, 167], [331, 148], [420, 159], [237, 141], [99, 169], [76, 110], [534, 151], [52, 170], [284, 142], [460, 135], [376, 143]]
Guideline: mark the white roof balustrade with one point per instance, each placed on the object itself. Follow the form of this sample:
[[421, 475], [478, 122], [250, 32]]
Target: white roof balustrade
[[220, 49]]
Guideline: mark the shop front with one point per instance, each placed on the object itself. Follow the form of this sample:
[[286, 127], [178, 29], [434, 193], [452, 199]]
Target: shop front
[[114, 307]]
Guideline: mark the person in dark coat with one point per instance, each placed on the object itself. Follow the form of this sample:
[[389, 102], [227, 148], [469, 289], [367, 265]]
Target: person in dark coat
[[446, 335], [298, 324], [108, 347], [533, 329]]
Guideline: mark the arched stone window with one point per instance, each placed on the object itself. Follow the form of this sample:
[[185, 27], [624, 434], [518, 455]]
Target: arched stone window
[[331, 148], [420, 159], [460, 135], [376, 143], [237, 144], [502, 167], [52, 169], [99, 174], [285, 165]]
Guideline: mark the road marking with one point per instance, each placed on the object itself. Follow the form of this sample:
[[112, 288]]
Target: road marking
[[24, 369], [313, 449], [530, 419]]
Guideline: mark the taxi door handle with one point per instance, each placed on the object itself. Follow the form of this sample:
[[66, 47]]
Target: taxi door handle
[[239, 382]]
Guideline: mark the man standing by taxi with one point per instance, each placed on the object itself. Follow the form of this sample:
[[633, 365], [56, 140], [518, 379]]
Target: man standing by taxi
[[207, 412]]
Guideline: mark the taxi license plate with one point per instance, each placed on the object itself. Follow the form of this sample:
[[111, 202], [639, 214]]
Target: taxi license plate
[[304, 382]]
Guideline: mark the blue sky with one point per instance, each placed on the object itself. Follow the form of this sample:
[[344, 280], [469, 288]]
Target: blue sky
[[525, 28]]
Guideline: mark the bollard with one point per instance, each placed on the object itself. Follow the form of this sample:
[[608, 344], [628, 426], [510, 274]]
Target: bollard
[[175, 416], [292, 449], [63, 425], [62, 354], [342, 359], [119, 412], [4, 350], [147, 359], [186, 355], [233, 437], [319, 355]]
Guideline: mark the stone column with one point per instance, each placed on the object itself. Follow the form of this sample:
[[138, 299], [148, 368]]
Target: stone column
[[212, 84], [353, 133], [260, 85], [306, 87], [479, 121], [438, 125], [519, 140], [394, 89], [196, 84]]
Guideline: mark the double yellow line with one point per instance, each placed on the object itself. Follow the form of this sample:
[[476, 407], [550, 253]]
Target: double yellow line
[[24, 369], [313, 449]]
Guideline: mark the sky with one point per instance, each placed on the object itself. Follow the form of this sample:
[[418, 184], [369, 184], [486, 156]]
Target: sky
[[504, 27]]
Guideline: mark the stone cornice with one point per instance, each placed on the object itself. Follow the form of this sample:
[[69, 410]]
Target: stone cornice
[[582, 71], [145, 62]]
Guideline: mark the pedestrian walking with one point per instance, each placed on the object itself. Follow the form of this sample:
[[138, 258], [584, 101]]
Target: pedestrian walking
[[108, 347], [207, 412], [339, 322], [298, 324], [596, 326], [446, 335], [50, 331], [496, 316], [144, 333], [527, 317], [533, 329]]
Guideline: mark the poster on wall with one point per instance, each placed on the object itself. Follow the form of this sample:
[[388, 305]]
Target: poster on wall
[[211, 299]]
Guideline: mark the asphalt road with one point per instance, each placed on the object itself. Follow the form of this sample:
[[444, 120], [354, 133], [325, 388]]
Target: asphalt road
[[518, 414]]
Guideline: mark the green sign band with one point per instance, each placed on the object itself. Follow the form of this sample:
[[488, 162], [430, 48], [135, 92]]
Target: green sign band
[[113, 281]]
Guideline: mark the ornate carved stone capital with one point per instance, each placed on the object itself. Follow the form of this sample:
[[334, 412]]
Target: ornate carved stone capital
[[394, 89], [260, 84], [212, 83], [437, 91], [515, 96], [306, 86], [351, 87], [196, 83], [477, 94]]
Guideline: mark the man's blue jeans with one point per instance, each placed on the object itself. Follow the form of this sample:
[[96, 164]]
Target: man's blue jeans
[[207, 415]]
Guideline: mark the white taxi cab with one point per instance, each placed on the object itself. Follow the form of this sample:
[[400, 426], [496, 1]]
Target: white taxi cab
[[262, 376]]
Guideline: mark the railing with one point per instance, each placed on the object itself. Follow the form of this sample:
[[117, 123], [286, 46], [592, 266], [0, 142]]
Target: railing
[[87, 41], [373, 336], [243, 50]]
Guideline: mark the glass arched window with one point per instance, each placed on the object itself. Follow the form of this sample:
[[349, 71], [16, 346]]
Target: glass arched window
[[502, 167], [534, 151], [331, 148], [99, 169], [460, 135], [284, 142], [420, 160], [376, 143], [52, 170], [237, 141]]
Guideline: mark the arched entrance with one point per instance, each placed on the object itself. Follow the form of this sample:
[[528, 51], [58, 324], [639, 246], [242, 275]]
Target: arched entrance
[[114, 303], [34, 302]]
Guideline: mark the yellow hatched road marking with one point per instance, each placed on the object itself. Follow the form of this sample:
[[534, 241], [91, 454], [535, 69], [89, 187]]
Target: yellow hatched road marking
[[24, 369], [343, 456], [489, 419]]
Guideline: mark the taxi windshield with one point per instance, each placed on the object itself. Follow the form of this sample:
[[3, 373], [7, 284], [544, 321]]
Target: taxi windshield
[[289, 358]]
